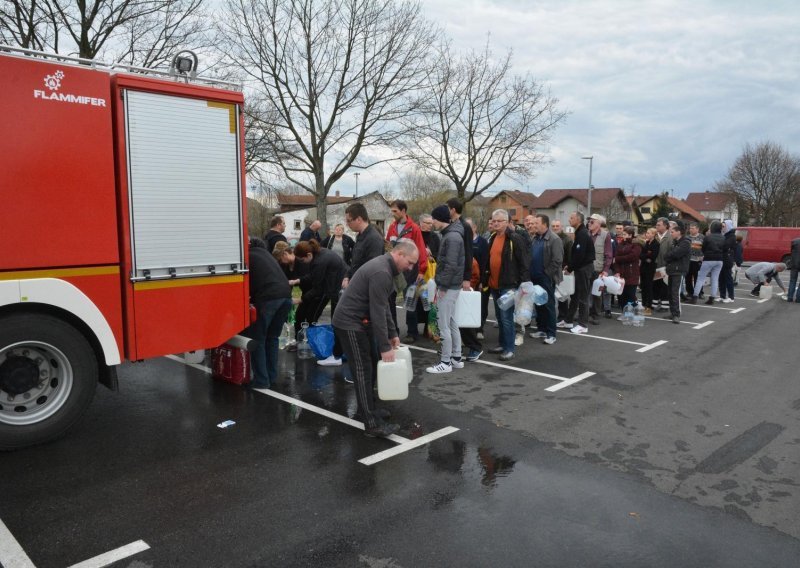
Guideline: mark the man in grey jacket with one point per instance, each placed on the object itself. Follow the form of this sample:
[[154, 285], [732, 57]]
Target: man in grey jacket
[[364, 325], [763, 273], [449, 279], [547, 256]]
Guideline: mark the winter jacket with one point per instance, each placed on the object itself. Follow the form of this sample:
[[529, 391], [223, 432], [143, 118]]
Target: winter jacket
[[648, 257], [795, 254], [764, 273], [729, 249], [468, 253], [553, 256], [582, 249], [267, 280], [603, 251], [677, 257], [663, 248], [626, 262], [369, 245], [327, 273], [712, 246], [308, 235], [273, 237], [411, 231], [515, 266], [347, 245], [480, 252], [450, 264], [433, 241]]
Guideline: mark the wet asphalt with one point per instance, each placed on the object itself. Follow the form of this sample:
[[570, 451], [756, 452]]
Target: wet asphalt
[[684, 455]]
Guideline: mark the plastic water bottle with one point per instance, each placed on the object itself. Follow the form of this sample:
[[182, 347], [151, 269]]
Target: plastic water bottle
[[638, 316], [627, 314], [287, 336], [411, 298], [506, 300], [303, 347], [426, 303]]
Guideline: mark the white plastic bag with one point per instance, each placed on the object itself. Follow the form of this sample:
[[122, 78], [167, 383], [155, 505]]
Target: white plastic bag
[[523, 304], [597, 286], [614, 285], [539, 295], [567, 286]]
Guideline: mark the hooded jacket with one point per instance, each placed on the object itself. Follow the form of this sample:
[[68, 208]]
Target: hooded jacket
[[729, 248], [713, 242], [677, 257], [450, 263]]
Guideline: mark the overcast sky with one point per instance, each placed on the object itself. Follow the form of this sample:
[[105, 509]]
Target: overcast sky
[[664, 94]]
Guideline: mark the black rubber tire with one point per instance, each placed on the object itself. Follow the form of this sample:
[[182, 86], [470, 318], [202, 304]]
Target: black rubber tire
[[48, 329]]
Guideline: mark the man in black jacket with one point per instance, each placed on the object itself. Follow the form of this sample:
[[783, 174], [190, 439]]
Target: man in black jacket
[[369, 241], [275, 234], [581, 264], [508, 267], [795, 269], [677, 259], [271, 294]]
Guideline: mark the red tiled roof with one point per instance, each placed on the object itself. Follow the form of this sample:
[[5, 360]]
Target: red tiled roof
[[642, 199], [708, 201], [685, 209], [522, 197], [600, 197]]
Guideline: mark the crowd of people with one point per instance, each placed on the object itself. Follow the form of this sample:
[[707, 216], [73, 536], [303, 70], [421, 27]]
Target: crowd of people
[[362, 278]]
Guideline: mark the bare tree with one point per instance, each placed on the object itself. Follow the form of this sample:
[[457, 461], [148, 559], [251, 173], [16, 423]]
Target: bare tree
[[480, 122], [767, 178], [339, 74], [29, 24]]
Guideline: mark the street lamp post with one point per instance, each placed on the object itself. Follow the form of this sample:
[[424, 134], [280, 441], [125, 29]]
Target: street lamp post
[[589, 200], [356, 176]]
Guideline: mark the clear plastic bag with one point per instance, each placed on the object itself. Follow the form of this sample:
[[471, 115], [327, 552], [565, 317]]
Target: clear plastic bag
[[523, 304]]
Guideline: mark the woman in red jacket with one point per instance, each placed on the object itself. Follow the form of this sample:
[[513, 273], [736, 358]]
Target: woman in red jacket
[[626, 265]]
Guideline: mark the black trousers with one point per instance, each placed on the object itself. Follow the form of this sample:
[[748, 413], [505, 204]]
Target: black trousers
[[362, 358], [691, 276], [646, 282], [484, 308], [674, 288], [660, 291], [580, 299], [469, 338]]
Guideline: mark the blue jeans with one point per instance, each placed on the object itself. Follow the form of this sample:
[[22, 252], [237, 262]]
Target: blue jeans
[[793, 287], [505, 322], [266, 330], [546, 314]]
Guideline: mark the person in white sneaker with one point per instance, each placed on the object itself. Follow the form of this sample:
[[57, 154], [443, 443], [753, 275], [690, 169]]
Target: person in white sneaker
[[449, 280], [547, 254], [581, 263]]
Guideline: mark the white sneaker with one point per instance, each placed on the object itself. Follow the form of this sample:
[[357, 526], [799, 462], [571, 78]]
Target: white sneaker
[[519, 339], [480, 335], [537, 334], [728, 300], [549, 340], [330, 362], [564, 325], [721, 299], [578, 329], [457, 364], [440, 367]]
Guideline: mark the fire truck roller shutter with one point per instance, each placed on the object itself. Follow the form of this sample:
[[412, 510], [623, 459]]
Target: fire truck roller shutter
[[184, 185], [48, 368]]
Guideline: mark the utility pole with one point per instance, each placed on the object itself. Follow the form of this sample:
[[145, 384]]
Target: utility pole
[[589, 200], [356, 176]]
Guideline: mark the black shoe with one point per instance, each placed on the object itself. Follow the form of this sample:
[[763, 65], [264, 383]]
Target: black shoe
[[684, 298], [607, 314], [594, 321], [692, 300], [710, 301], [381, 430], [507, 356], [496, 350]]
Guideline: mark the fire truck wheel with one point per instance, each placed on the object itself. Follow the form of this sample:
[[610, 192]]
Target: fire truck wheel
[[48, 376]]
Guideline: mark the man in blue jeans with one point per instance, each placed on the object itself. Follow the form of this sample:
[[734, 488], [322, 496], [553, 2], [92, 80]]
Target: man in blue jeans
[[547, 255], [508, 267], [271, 294], [795, 268]]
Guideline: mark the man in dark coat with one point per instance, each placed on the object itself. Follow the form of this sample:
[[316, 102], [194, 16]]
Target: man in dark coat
[[677, 264], [275, 234], [581, 264]]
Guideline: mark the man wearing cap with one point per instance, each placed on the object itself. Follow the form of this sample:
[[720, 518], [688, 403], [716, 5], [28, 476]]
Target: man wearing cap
[[449, 280], [603, 257]]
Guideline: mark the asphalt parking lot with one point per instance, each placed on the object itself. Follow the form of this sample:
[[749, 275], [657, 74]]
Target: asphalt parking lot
[[670, 445]]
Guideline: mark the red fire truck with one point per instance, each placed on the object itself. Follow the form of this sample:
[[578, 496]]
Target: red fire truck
[[122, 229]]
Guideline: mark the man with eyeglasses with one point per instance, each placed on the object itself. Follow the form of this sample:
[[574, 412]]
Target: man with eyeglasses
[[369, 241]]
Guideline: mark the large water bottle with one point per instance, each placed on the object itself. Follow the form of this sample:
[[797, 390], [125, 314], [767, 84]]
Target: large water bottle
[[303, 347], [506, 301], [287, 336], [627, 314], [638, 316], [411, 298], [426, 302]]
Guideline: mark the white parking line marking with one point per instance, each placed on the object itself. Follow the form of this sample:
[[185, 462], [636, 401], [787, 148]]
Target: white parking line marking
[[500, 365], [604, 338], [568, 382], [737, 310], [421, 441], [758, 301], [664, 320], [702, 325], [114, 555], [193, 365], [703, 306], [651, 346], [11, 553]]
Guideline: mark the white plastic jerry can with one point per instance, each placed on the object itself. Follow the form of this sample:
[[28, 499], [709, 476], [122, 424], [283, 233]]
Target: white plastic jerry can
[[765, 293], [393, 380], [404, 353]]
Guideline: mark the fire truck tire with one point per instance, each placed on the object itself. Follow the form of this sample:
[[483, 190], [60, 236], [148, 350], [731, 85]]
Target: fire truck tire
[[48, 376]]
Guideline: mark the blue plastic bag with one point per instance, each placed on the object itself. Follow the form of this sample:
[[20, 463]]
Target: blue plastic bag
[[320, 337]]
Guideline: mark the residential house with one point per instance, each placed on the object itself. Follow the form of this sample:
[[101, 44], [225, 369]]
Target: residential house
[[292, 201], [297, 218], [560, 203], [714, 206], [519, 204], [645, 208]]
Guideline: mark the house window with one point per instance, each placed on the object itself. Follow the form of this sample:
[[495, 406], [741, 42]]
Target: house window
[[644, 209], [297, 224], [512, 212], [503, 199]]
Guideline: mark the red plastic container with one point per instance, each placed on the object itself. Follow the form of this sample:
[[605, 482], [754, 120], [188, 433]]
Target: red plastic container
[[230, 364]]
